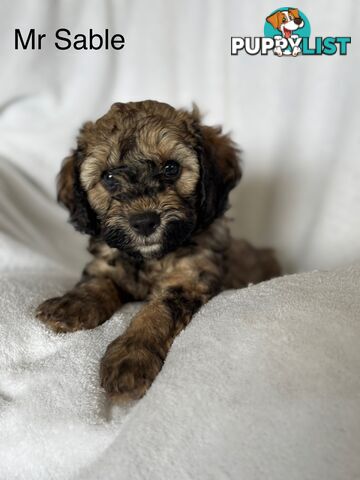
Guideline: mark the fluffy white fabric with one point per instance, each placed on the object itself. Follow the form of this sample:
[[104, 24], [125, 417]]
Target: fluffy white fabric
[[265, 381]]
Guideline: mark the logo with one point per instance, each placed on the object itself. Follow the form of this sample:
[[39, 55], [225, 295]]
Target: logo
[[287, 34], [289, 24]]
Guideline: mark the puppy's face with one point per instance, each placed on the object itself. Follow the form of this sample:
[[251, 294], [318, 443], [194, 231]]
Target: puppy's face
[[286, 21], [146, 176]]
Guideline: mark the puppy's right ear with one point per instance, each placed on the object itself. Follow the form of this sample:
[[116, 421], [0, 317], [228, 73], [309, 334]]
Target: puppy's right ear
[[65, 182], [274, 20], [72, 195]]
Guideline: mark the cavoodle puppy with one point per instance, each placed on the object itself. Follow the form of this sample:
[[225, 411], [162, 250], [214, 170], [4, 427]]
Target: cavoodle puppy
[[149, 184]]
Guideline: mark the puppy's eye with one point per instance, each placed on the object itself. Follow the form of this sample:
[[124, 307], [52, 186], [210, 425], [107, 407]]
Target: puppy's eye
[[283, 20], [109, 180], [171, 169]]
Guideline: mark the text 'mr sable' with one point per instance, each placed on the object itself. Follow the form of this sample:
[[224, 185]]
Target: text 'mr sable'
[[64, 40]]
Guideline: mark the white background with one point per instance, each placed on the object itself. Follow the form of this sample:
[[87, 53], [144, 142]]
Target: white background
[[296, 119]]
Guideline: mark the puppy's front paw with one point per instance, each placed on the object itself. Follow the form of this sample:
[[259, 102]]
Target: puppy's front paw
[[128, 369], [69, 313]]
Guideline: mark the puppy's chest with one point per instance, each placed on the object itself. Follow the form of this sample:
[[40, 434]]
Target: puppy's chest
[[204, 257], [139, 280]]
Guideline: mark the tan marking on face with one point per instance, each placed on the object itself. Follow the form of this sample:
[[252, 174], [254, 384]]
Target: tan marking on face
[[168, 145], [169, 205], [116, 218], [90, 172], [94, 165], [100, 157], [99, 198], [190, 174]]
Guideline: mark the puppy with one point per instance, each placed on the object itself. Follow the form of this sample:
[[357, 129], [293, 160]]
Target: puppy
[[149, 184], [287, 22]]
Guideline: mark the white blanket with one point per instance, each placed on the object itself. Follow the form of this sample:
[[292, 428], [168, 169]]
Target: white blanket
[[264, 383]]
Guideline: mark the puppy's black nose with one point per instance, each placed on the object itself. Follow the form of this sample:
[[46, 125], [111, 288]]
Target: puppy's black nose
[[298, 21], [145, 223]]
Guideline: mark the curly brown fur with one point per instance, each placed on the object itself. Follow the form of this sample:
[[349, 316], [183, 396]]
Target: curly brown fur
[[150, 185]]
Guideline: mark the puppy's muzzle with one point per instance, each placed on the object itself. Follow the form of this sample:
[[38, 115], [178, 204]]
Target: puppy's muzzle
[[298, 21], [145, 223]]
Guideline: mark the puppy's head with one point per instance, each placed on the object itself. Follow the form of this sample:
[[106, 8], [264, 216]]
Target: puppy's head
[[286, 21], [145, 177]]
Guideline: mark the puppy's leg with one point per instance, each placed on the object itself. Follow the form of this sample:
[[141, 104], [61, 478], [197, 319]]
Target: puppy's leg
[[132, 361], [247, 264], [91, 302], [277, 50]]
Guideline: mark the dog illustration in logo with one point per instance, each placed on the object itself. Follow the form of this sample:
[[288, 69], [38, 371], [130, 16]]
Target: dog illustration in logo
[[287, 22]]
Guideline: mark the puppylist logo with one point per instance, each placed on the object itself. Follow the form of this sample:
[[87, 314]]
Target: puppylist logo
[[287, 33]]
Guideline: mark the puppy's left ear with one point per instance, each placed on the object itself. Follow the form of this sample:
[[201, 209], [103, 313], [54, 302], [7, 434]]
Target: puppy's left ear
[[219, 172], [295, 12]]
